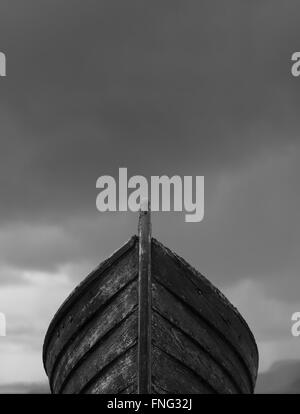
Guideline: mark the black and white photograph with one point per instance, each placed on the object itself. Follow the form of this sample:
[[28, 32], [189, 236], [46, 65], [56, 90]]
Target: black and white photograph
[[149, 198]]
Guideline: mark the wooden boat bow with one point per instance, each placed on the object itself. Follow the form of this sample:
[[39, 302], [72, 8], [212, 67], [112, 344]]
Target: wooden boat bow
[[144, 321]]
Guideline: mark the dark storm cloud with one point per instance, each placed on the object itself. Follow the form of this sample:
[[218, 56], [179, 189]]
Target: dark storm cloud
[[48, 248], [160, 87], [163, 87], [251, 228]]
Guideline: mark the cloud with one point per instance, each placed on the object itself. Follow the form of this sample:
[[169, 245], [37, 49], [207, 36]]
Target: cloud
[[28, 309], [282, 378], [250, 228], [194, 90], [270, 318], [20, 364], [80, 242], [25, 388]]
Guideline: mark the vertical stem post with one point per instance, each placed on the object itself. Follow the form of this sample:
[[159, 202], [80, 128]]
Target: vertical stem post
[[144, 297]]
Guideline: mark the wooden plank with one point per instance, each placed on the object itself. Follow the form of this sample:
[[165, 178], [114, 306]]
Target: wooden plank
[[144, 320], [124, 304], [100, 292], [113, 379], [167, 271], [129, 390], [83, 287], [105, 356], [171, 340], [171, 376], [158, 390], [179, 315]]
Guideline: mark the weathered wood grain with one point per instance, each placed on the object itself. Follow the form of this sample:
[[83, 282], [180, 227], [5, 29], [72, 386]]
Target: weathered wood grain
[[82, 288], [100, 292], [144, 319], [171, 375], [178, 314], [132, 389], [102, 356], [124, 303], [171, 340], [196, 340], [123, 371], [170, 273]]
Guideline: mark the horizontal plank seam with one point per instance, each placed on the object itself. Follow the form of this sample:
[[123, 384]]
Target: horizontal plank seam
[[211, 326], [159, 387], [82, 288], [106, 368], [231, 307], [126, 388], [87, 322], [198, 344], [184, 265], [98, 343], [179, 362]]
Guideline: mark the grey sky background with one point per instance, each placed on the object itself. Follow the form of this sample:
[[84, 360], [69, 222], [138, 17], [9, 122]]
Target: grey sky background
[[160, 87]]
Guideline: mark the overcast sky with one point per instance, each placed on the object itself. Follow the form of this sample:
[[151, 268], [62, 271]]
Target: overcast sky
[[161, 87]]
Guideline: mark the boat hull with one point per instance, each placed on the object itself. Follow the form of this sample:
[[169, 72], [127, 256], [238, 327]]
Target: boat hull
[[199, 344]]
